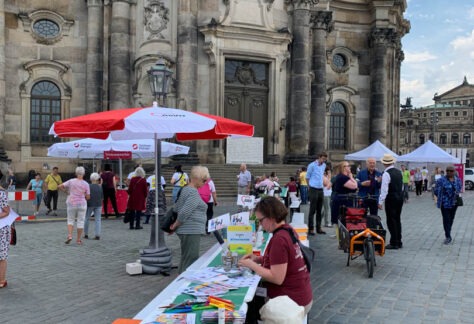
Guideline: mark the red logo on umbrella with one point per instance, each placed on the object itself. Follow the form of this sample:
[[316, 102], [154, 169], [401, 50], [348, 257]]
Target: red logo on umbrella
[[76, 145], [135, 146]]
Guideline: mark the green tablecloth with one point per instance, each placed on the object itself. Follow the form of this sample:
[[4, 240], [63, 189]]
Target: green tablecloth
[[236, 296]]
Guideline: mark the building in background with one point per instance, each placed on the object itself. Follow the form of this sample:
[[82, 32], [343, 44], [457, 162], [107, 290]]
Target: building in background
[[311, 75], [449, 123]]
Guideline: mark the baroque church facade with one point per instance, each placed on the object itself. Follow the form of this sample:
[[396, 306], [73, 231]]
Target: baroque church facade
[[311, 75]]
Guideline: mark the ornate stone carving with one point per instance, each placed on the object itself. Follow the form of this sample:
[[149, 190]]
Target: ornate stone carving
[[233, 100], [302, 4], [244, 74], [29, 20], [156, 19], [322, 20], [400, 55], [384, 36], [270, 4]]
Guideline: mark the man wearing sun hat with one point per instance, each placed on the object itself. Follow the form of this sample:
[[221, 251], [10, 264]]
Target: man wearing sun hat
[[391, 193]]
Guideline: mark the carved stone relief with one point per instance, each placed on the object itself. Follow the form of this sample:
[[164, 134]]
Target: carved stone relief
[[156, 20]]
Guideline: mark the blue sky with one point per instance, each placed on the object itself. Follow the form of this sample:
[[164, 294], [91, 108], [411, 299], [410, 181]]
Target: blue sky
[[439, 50]]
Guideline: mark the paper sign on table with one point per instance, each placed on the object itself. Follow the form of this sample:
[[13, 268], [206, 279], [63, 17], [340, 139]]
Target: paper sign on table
[[240, 237], [246, 201], [240, 218], [218, 223]]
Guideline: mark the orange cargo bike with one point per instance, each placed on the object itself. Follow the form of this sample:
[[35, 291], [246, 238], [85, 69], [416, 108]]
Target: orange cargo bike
[[360, 234]]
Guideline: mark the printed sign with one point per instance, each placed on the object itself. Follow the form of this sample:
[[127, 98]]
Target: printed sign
[[218, 223], [117, 155], [240, 237]]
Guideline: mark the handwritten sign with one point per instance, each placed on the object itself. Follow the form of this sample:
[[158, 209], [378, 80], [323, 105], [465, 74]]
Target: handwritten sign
[[240, 219], [246, 201], [218, 223]]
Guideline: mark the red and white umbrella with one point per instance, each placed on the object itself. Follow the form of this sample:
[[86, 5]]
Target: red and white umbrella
[[153, 122]]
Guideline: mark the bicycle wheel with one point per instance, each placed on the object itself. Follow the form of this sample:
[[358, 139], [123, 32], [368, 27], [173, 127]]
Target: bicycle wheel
[[369, 254]]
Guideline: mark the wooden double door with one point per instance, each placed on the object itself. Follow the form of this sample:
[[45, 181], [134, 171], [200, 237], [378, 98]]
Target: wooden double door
[[246, 95]]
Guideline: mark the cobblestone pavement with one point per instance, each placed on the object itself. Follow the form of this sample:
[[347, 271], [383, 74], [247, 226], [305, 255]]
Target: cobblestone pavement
[[426, 281]]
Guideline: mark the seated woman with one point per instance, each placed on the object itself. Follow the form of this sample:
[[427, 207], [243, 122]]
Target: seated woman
[[264, 186], [282, 268]]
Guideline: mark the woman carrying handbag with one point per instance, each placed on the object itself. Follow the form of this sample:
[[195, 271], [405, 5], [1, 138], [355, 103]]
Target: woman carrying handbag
[[5, 236], [447, 192]]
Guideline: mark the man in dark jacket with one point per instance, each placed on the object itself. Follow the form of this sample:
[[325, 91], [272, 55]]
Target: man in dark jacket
[[392, 193], [369, 181]]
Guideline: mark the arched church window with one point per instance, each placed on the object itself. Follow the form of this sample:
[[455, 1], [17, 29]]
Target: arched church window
[[455, 138], [337, 126], [443, 139], [466, 139], [45, 110], [422, 139]]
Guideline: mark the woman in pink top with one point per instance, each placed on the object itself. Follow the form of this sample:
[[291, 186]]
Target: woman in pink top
[[78, 193]]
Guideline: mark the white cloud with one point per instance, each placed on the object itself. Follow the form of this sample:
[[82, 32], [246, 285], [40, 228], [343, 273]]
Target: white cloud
[[464, 43], [419, 57]]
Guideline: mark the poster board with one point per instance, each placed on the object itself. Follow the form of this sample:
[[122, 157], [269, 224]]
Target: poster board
[[244, 150]]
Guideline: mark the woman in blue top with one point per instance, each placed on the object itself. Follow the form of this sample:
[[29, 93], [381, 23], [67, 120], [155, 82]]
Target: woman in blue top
[[36, 184], [447, 190]]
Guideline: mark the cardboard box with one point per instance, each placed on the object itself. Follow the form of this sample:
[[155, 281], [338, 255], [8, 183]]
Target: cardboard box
[[134, 268]]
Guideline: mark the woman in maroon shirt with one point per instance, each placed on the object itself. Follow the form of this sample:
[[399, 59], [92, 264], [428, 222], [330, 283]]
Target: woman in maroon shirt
[[282, 268], [137, 192]]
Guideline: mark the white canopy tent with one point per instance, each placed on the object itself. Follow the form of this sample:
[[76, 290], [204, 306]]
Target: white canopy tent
[[429, 152], [91, 148], [375, 150]]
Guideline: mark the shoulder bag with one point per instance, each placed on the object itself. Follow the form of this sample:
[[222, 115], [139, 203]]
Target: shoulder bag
[[13, 234], [308, 253], [170, 217], [459, 202]]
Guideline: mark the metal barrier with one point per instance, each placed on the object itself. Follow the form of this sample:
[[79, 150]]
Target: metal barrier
[[18, 196]]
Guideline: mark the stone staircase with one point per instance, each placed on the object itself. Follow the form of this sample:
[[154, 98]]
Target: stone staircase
[[225, 175]]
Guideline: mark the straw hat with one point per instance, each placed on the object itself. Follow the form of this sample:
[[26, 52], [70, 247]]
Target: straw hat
[[388, 159]]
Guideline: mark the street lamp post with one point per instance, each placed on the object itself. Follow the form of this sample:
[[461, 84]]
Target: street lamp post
[[157, 257]]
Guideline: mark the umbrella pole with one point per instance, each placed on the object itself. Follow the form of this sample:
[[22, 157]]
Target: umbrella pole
[[120, 170], [157, 186]]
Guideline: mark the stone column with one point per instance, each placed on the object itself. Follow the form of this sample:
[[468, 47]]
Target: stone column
[[95, 38], [321, 23], [399, 57], [2, 73], [119, 62], [298, 112], [381, 38], [187, 65]]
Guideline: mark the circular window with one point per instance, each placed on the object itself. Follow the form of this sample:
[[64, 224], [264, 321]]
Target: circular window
[[46, 28], [339, 61]]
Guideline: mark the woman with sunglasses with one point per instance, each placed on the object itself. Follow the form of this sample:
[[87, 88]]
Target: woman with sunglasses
[[282, 268], [447, 190]]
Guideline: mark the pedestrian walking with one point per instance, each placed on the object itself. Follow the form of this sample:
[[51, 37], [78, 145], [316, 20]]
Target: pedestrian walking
[[208, 194], [52, 182], [406, 182], [36, 185], [327, 192], [78, 193], [178, 181], [447, 191], [137, 193], [11, 180], [150, 198], [418, 182], [109, 189], [392, 194], [94, 206], [303, 186], [5, 235]]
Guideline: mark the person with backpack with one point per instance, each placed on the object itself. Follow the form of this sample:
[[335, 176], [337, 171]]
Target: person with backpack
[[208, 194], [178, 181], [282, 268]]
